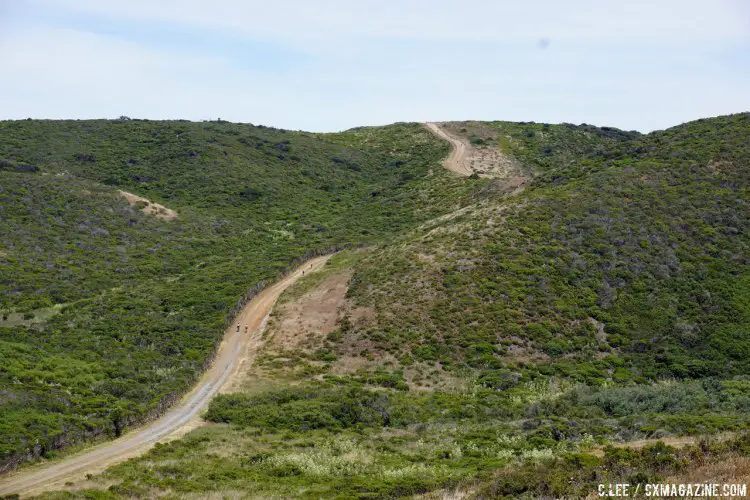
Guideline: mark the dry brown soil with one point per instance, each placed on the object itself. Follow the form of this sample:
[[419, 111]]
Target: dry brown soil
[[155, 209]]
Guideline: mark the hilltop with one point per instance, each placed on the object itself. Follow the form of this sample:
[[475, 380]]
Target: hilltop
[[497, 333]]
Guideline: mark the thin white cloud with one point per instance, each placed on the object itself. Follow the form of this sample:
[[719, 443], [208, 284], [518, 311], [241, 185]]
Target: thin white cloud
[[633, 21]]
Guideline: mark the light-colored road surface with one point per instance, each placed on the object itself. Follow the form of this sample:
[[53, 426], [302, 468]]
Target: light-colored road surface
[[236, 348], [458, 159]]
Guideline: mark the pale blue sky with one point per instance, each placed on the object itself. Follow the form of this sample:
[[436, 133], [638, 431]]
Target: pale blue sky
[[329, 65]]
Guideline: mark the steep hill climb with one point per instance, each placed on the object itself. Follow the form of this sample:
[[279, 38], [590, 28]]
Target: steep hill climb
[[486, 159], [238, 346], [458, 159]]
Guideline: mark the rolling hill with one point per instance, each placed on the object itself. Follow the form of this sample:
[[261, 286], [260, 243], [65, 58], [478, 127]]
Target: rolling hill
[[494, 338], [109, 313]]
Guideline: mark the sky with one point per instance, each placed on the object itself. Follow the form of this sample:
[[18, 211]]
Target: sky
[[329, 65]]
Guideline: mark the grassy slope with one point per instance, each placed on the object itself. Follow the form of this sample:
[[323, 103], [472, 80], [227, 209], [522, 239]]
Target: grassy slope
[[144, 300], [607, 302]]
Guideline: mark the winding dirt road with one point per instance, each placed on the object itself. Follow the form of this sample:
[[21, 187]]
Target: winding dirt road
[[236, 349], [458, 159]]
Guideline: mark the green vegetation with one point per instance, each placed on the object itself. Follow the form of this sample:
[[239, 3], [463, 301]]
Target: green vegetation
[[493, 344], [343, 439], [633, 272], [542, 147], [632, 412], [140, 302], [577, 475]]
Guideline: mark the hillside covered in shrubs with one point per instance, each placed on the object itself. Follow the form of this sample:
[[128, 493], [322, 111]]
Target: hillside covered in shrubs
[[490, 340], [501, 349], [108, 313]]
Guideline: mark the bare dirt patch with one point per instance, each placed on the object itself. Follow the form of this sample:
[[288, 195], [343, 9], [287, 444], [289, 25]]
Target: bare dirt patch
[[311, 316], [716, 166], [484, 161], [360, 315], [150, 208], [299, 329]]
